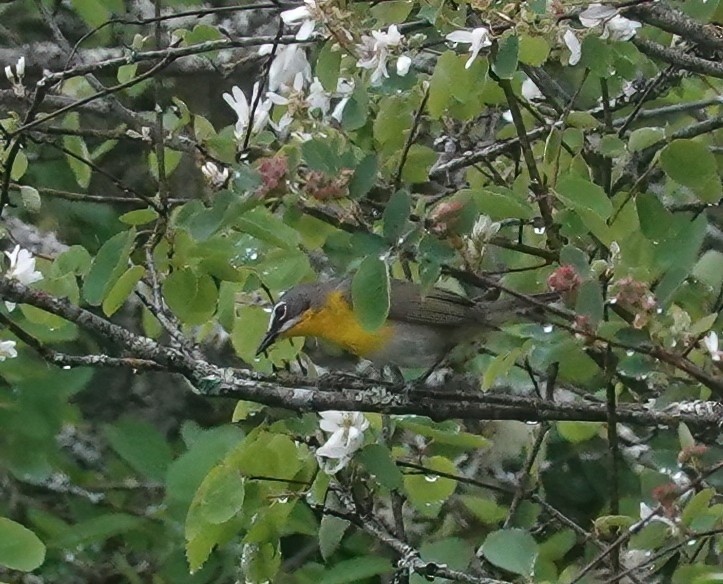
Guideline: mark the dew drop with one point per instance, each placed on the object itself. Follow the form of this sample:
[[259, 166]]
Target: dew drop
[[66, 367], [630, 352], [613, 301], [539, 230], [547, 328], [659, 311], [431, 478]]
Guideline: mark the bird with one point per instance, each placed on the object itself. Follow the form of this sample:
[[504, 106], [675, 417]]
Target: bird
[[421, 328]]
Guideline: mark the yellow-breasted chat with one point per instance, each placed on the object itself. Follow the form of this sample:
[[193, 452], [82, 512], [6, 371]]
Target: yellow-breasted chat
[[420, 330]]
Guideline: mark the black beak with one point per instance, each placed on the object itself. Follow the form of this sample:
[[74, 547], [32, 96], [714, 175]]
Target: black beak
[[268, 340]]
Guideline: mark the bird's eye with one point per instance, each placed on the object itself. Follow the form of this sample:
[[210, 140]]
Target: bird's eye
[[280, 312]]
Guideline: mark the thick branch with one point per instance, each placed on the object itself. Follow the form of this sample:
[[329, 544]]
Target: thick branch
[[305, 395], [679, 59]]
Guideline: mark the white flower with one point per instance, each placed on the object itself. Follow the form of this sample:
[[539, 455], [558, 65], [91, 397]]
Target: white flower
[[483, 230], [620, 28], [215, 176], [306, 15], [574, 46], [238, 102], [347, 436], [375, 51], [318, 98], [292, 102], [16, 77], [22, 269], [711, 343], [344, 90], [22, 266], [646, 512], [530, 91], [288, 61], [477, 39], [596, 14], [403, 64], [615, 27], [7, 350]]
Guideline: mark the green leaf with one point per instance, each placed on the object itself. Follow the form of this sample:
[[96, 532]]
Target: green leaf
[[320, 155], [192, 297], [692, 164], [142, 446], [576, 432], [641, 138], [20, 165], [327, 64], [108, 265], [30, 198], [219, 498], [263, 225], [514, 550], [249, 327], [74, 260], [356, 110], [697, 506], [377, 459], [20, 548], [357, 570], [396, 215], [447, 433], [419, 160], [425, 489], [501, 203], [364, 177], [122, 289], [505, 63], [393, 121], [448, 70], [171, 159], [453, 552], [186, 473], [655, 220], [96, 530], [534, 50], [331, 532], [580, 193], [394, 11], [370, 293], [93, 12], [590, 301], [139, 216]]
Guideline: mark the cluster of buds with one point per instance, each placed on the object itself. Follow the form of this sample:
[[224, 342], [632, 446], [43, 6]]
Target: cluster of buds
[[273, 170], [566, 281], [445, 216], [323, 187], [690, 455], [636, 297], [483, 231], [15, 76]]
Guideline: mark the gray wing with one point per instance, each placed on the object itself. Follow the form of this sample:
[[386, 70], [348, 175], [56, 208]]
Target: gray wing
[[436, 307]]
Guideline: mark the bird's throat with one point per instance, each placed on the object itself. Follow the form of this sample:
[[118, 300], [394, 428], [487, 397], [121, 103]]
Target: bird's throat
[[337, 323]]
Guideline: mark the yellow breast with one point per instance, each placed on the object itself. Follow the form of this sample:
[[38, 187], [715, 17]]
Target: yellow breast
[[337, 323]]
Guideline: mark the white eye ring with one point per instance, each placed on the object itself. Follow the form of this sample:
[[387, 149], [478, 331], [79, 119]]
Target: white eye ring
[[280, 311]]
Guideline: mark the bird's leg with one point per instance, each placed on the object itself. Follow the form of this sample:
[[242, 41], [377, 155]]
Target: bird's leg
[[395, 374], [422, 379]]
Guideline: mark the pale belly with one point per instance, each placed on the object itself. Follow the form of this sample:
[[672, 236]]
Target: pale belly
[[414, 345]]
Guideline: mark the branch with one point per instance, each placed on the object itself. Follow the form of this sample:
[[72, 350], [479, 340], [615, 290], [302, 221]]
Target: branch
[[302, 394], [672, 20], [678, 58]]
